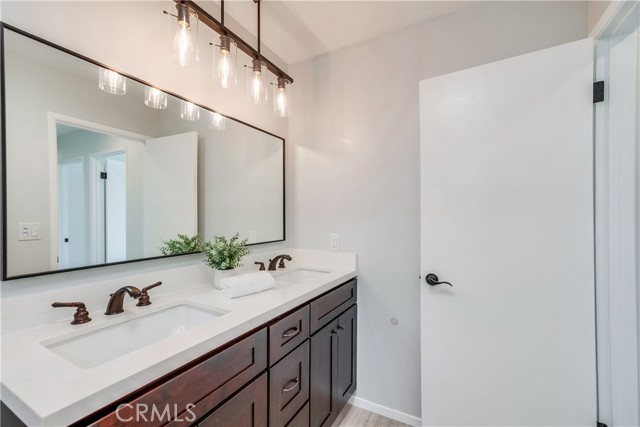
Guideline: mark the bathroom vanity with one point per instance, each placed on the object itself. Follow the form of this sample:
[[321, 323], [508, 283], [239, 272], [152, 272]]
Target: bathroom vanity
[[262, 378], [283, 357]]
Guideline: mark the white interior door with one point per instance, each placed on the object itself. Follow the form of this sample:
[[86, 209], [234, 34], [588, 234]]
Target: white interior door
[[72, 215], [507, 218], [170, 189]]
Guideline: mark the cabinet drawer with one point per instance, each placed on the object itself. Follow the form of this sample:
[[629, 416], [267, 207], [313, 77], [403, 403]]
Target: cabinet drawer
[[328, 307], [246, 409], [287, 333], [301, 419], [204, 385], [289, 386]]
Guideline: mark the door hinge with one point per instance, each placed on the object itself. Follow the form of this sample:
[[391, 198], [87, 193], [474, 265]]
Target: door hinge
[[598, 92], [599, 424], [103, 175]]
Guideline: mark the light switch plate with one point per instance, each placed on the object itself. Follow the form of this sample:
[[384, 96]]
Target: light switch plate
[[29, 231]]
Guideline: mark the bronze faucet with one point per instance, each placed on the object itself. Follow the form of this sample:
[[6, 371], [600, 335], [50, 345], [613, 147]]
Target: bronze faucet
[[114, 306], [281, 258]]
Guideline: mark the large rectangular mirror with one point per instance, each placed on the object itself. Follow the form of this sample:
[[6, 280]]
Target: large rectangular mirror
[[94, 178]]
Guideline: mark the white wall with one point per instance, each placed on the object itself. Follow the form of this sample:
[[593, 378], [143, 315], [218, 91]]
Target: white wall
[[356, 164]]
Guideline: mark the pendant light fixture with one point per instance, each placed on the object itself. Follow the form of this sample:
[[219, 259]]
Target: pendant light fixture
[[111, 82], [185, 35], [257, 73], [281, 98], [189, 111], [155, 98], [217, 121], [225, 57]]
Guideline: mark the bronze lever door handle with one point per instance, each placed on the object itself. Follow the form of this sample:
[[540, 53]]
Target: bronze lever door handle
[[432, 280], [144, 296], [80, 316]]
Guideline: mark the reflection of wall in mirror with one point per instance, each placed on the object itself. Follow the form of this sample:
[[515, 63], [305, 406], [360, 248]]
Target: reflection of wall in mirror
[[243, 169], [240, 179], [32, 90]]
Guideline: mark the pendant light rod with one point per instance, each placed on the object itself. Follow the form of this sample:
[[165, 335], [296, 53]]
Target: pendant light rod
[[222, 17], [258, 2], [219, 28]]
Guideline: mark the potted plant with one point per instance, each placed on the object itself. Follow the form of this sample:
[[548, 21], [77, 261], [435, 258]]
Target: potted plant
[[182, 245], [223, 256]]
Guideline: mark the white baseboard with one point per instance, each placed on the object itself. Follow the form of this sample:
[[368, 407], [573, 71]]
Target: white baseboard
[[386, 412]]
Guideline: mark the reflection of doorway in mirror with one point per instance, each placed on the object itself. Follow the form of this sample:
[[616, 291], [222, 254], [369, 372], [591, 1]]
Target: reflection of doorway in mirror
[[111, 206], [72, 237]]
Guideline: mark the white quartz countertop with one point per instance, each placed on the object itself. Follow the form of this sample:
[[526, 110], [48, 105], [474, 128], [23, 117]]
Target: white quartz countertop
[[43, 388]]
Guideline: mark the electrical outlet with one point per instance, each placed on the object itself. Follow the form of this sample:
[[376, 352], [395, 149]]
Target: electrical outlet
[[334, 242]]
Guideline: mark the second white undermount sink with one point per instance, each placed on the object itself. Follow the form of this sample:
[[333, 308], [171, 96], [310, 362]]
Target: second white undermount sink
[[102, 345], [301, 275]]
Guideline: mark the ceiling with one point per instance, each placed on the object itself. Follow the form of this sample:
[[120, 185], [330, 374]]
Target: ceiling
[[300, 29]]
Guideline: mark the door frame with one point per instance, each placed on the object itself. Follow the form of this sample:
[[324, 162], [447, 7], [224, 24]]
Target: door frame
[[617, 298], [53, 119]]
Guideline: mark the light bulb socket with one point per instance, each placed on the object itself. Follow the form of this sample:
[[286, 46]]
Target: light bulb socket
[[184, 19], [282, 83], [256, 66], [225, 44]]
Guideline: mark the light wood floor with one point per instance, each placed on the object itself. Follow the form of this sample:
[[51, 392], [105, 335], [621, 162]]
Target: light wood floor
[[356, 417]]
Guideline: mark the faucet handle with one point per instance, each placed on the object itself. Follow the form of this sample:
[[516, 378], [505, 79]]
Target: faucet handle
[[80, 316], [144, 295], [261, 264]]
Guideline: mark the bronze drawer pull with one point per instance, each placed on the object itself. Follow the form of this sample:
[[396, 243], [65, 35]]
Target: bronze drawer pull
[[294, 383], [291, 332]]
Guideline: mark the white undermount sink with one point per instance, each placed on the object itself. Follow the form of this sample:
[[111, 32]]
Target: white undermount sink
[[102, 345], [301, 275]]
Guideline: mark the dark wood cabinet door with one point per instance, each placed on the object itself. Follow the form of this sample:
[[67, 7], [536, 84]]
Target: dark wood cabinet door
[[301, 419], [246, 409], [324, 374], [347, 355]]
